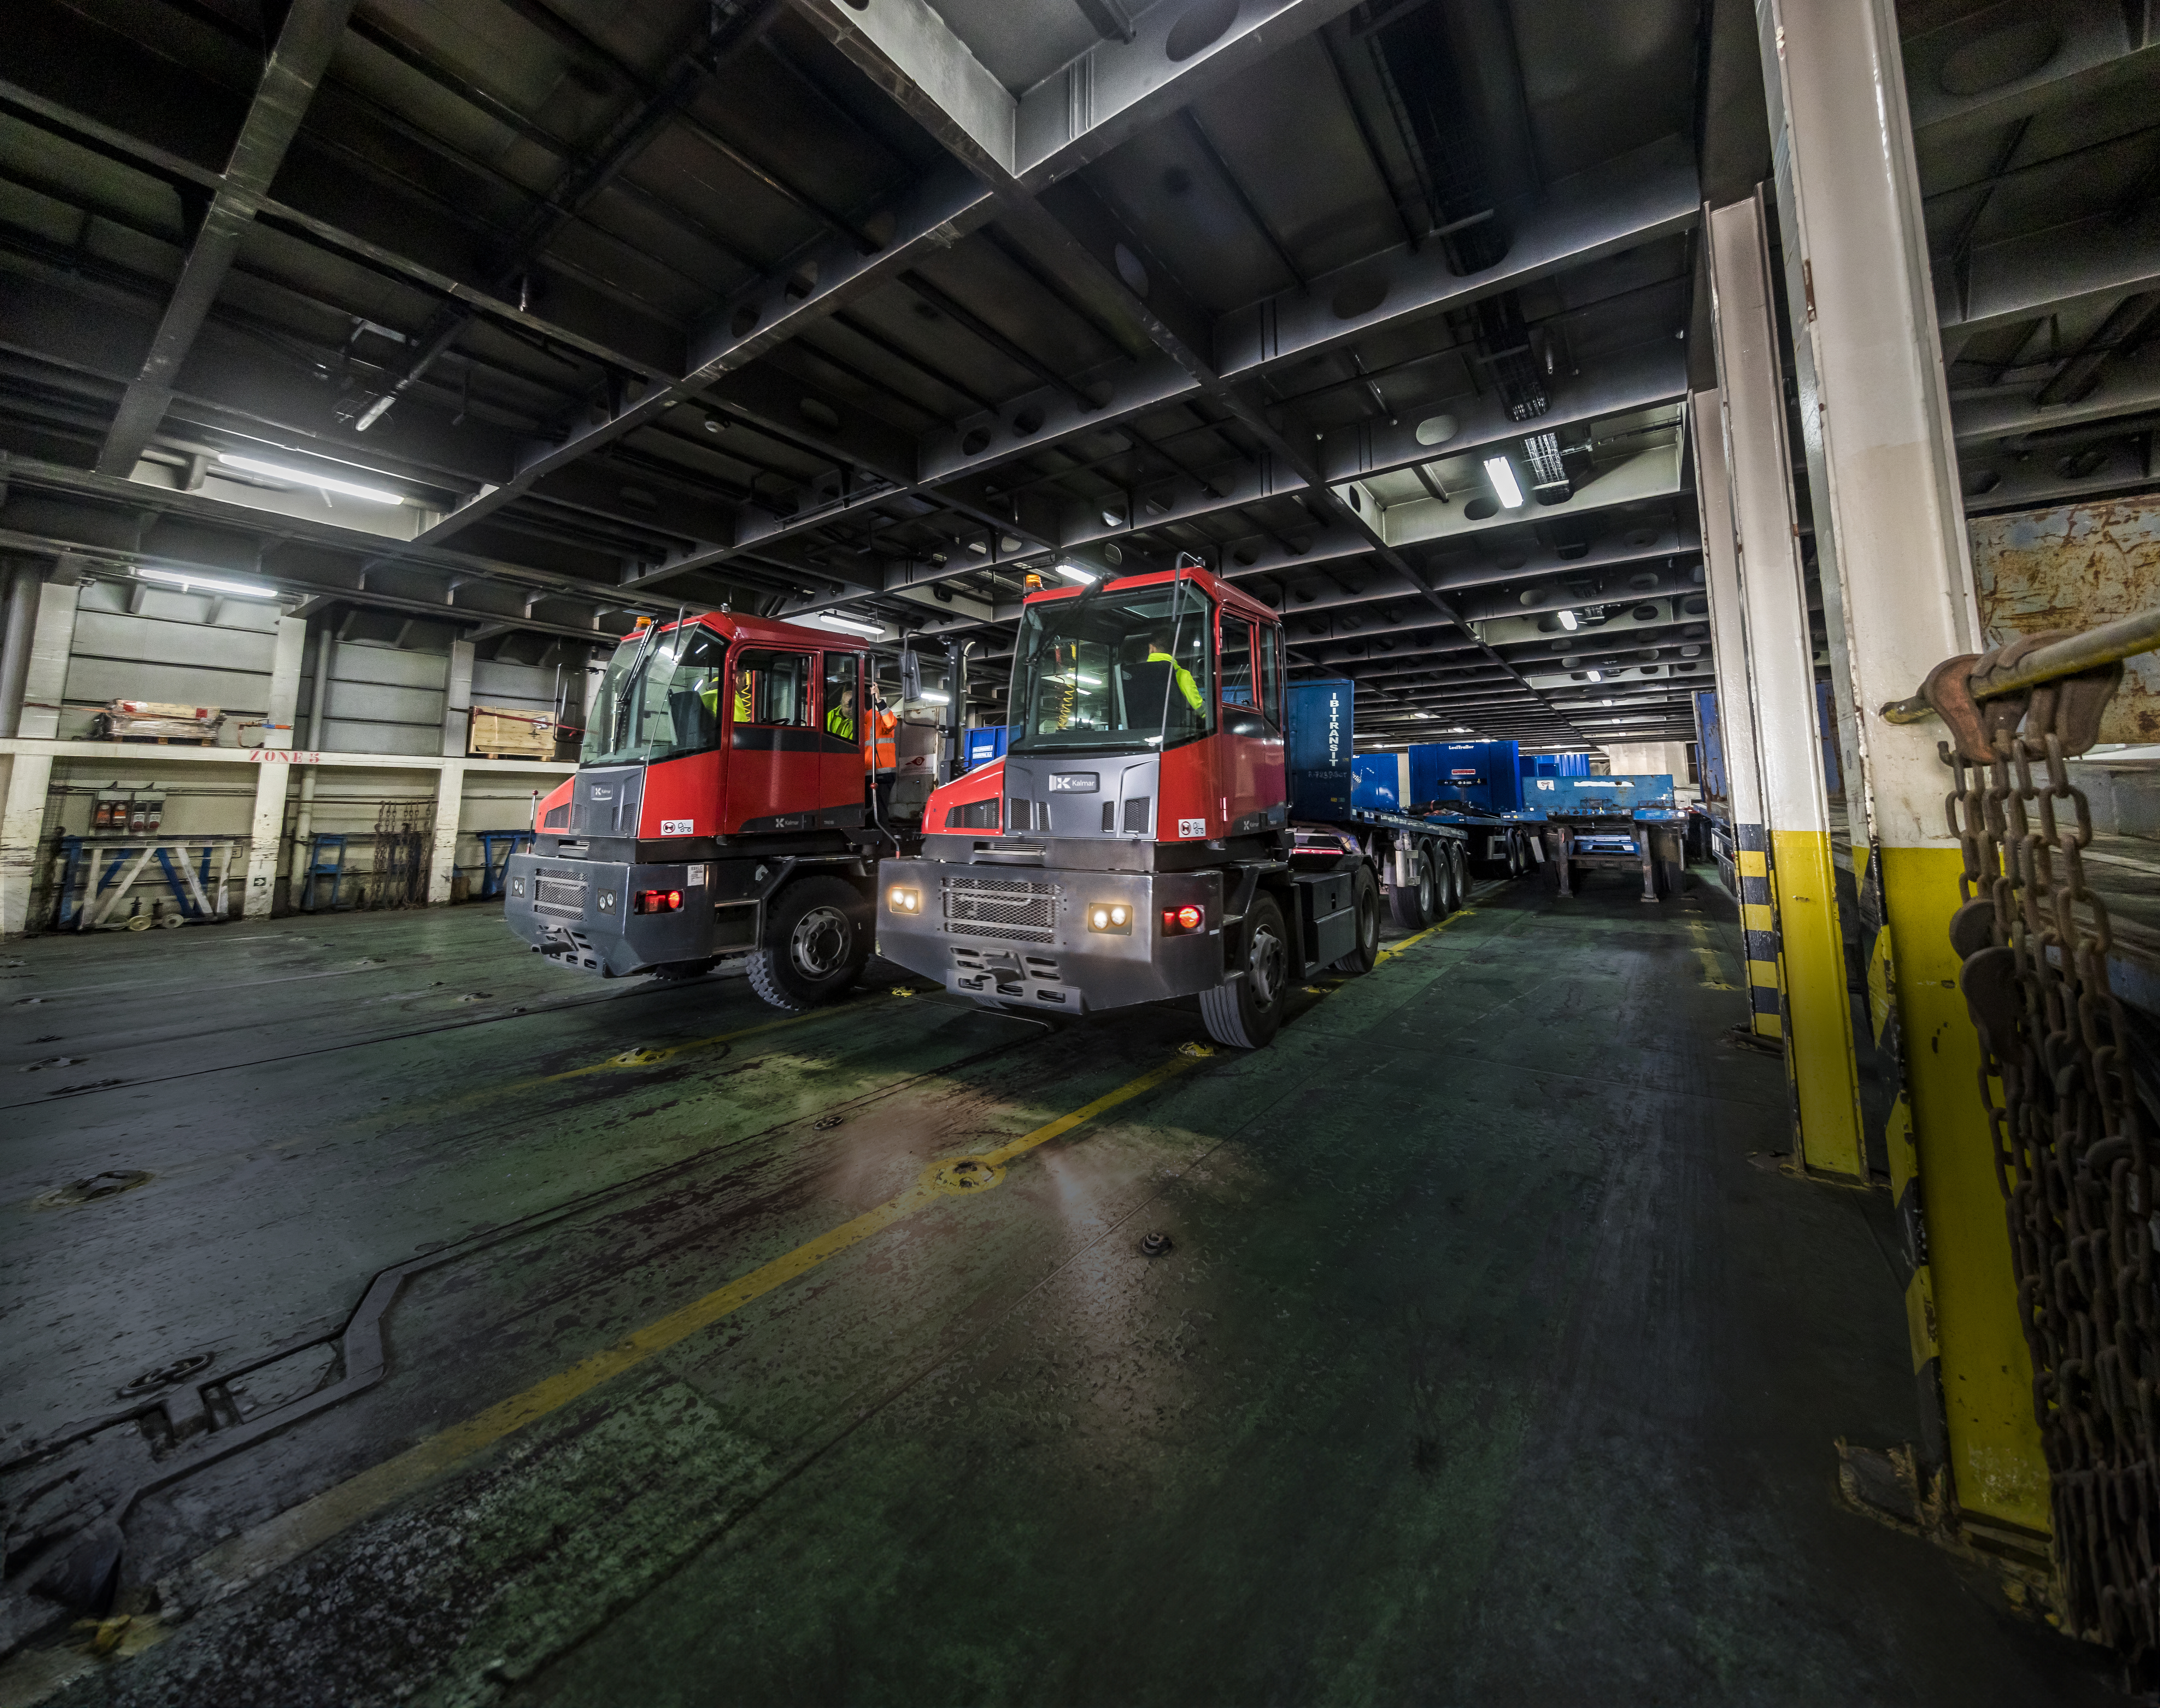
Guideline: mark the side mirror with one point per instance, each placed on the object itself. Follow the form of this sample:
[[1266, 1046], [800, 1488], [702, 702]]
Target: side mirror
[[911, 674]]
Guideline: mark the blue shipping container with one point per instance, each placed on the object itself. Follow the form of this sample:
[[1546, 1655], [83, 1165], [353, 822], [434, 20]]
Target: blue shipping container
[[1316, 749], [1484, 773]]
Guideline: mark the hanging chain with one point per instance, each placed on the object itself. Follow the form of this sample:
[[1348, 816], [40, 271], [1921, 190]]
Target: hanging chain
[[2072, 1155]]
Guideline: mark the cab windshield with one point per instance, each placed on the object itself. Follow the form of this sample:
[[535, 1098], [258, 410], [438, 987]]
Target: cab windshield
[[1114, 671], [660, 696]]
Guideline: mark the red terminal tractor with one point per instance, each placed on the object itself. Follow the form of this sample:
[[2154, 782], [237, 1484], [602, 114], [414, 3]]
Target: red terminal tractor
[[726, 803], [1135, 844]]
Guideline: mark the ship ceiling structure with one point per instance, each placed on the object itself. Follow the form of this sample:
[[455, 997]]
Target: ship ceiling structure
[[811, 306]]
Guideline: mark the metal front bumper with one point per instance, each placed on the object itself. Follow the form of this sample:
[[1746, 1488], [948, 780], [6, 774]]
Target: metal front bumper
[[577, 914], [1019, 933]]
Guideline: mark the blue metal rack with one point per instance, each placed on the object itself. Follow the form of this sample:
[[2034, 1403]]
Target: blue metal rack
[[510, 842], [319, 865]]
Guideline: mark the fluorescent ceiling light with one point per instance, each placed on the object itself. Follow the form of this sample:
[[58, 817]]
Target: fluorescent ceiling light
[[931, 696], [1597, 675], [189, 582], [307, 477], [1073, 571], [853, 626], [1502, 474], [1567, 622], [1088, 681]]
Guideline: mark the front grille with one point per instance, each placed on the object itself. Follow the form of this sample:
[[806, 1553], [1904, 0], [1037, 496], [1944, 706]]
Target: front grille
[[1012, 909], [563, 898]]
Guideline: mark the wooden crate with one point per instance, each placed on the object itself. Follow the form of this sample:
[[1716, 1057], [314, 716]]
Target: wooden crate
[[499, 733]]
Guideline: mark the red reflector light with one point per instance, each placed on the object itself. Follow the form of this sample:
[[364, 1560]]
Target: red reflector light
[[1189, 917]]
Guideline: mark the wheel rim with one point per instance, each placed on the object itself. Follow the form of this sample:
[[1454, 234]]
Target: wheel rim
[[1368, 922], [1265, 965], [1426, 885], [818, 945]]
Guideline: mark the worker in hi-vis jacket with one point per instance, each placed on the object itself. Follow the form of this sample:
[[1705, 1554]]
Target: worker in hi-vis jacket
[[1159, 653]]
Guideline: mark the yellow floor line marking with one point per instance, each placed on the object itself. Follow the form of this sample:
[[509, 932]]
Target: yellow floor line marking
[[1713, 974], [233, 1565]]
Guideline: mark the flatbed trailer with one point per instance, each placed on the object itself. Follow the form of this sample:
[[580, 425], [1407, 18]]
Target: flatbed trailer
[[1617, 824]]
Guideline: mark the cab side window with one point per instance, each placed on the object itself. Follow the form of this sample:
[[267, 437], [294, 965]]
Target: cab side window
[[1270, 651], [1237, 678], [771, 688]]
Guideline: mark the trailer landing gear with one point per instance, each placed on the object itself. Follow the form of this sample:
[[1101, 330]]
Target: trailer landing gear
[[816, 938]]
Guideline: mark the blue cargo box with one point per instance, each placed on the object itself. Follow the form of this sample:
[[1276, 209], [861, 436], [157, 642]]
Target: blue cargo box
[[1380, 781], [988, 744]]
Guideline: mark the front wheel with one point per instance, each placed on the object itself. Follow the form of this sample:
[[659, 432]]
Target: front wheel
[[1246, 1011], [1365, 901], [816, 938]]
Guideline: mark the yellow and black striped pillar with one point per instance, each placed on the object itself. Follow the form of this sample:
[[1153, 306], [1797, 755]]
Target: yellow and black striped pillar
[[1890, 527], [1759, 927], [1789, 880], [1745, 826]]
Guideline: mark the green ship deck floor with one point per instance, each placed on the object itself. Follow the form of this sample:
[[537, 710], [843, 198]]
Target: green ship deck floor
[[1488, 1360]]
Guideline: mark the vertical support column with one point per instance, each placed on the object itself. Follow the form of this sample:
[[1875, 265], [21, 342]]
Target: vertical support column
[[457, 701], [1735, 718], [442, 862], [1887, 506], [1780, 670], [30, 776], [266, 829], [285, 661]]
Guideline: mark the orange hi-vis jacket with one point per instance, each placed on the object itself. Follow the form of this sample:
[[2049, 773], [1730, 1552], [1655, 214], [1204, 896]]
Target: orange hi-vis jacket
[[881, 751]]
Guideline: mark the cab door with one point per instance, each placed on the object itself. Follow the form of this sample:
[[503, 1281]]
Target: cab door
[[1251, 761], [775, 748], [840, 725]]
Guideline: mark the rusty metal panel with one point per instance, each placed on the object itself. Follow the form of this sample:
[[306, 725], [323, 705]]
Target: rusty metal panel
[[2069, 567]]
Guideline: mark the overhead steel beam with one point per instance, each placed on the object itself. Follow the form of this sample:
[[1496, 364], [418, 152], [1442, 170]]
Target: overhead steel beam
[[1641, 378], [2085, 262], [307, 38], [1637, 199], [24, 480], [1135, 82], [2094, 42]]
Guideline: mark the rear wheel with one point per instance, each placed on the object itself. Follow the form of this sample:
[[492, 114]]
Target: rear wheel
[[1459, 859], [1246, 1012], [816, 938], [1365, 904], [1415, 903]]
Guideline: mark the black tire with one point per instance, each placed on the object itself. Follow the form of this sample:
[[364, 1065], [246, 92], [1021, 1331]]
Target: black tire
[[1245, 1013], [1365, 904], [1415, 904], [1459, 858], [816, 938], [1450, 881]]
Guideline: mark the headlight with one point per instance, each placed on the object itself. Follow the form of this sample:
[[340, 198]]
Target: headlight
[[1110, 917], [607, 901], [902, 898]]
